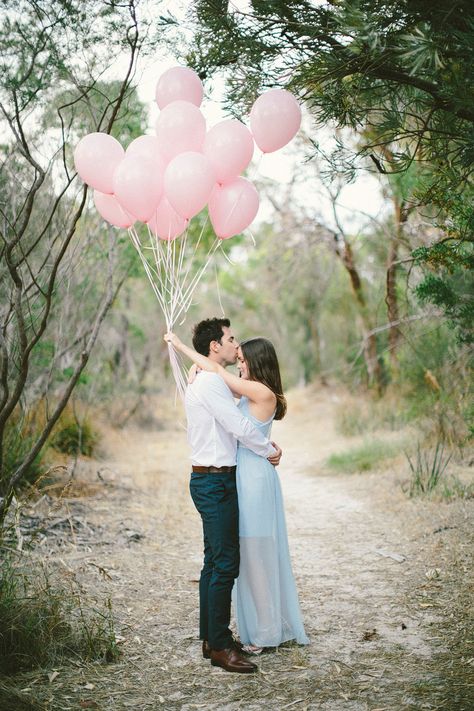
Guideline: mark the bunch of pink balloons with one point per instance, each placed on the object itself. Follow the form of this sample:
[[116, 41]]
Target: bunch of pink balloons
[[166, 179]]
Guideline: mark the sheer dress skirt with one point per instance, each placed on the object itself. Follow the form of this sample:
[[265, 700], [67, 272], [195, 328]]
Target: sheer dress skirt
[[265, 596]]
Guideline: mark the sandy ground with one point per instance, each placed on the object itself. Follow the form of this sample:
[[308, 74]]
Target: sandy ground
[[384, 582]]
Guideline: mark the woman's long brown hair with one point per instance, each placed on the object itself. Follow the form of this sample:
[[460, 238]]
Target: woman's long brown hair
[[262, 364]]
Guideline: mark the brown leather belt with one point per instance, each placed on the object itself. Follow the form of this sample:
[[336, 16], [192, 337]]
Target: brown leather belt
[[214, 470]]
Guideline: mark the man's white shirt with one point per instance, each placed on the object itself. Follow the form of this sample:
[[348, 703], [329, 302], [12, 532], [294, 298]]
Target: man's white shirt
[[215, 424]]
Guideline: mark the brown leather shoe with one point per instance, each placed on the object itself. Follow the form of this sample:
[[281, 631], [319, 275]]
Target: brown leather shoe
[[232, 661], [206, 647]]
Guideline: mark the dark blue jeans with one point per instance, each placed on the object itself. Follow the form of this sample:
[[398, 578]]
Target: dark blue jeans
[[215, 497]]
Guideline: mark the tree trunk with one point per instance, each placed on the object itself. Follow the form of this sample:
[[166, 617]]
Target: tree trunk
[[372, 363], [391, 296]]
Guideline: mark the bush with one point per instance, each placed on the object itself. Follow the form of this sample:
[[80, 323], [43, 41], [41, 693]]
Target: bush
[[72, 436], [19, 438], [434, 386], [41, 623]]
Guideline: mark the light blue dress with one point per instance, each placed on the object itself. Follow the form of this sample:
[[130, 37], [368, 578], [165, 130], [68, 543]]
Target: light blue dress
[[265, 597]]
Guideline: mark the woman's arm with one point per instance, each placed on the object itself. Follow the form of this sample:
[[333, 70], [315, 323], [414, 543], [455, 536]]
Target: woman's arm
[[201, 361], [256, 392]]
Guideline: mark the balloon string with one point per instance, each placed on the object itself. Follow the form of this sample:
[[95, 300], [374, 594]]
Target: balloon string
[[252, 238], [169, 274], [226, 255], [196, 247], [169, 280], [196, 279], [177, 369], [218, 291]]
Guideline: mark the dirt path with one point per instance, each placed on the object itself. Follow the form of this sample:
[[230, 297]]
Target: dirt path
[[383, 582]]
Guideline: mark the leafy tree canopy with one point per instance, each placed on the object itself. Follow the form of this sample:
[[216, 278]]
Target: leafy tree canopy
[[399, 74]]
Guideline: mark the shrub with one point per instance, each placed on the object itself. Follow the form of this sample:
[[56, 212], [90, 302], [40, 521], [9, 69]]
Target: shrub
[[19, 438], [72, 436], [434, 386]]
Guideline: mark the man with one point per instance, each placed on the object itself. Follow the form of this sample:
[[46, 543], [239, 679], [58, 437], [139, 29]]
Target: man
[[214, 426]]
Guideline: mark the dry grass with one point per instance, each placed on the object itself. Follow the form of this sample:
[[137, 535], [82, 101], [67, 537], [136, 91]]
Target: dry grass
[[12, 699]]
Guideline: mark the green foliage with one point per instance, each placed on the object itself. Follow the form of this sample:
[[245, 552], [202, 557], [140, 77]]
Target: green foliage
[[74, 436], [67, 108], [67, 43], [451, 288], [363, 458], [67, 373], [19, 437], [427, 469], [43, 353], [43, 623], [60, 269], [434, 383], [398, 74], [387, 66]]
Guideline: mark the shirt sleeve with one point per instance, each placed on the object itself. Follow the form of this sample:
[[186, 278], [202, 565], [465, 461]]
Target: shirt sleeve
[[217, 399]]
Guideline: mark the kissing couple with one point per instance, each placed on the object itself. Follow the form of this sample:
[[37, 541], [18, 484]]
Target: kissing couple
[[236, 490]]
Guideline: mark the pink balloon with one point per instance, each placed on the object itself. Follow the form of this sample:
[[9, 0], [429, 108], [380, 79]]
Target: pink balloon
[[96, 157], [179, 83], [147, 146], [138, 185], [180, 127], [229, 147], [274, 119], [189, 179], [166, 223], [233, 207], [109, 208]]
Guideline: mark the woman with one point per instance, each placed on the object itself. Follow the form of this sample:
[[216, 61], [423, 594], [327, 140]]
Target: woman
[[265, 596]]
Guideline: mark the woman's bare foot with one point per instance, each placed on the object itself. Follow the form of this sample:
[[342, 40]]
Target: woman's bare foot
[[252, 649]]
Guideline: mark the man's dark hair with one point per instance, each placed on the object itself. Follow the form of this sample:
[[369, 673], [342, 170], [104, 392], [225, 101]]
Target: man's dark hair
[[206, 331]]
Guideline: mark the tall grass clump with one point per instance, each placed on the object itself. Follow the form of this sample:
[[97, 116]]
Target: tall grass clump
[[43, 623], [428, 475], [426, 468]]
